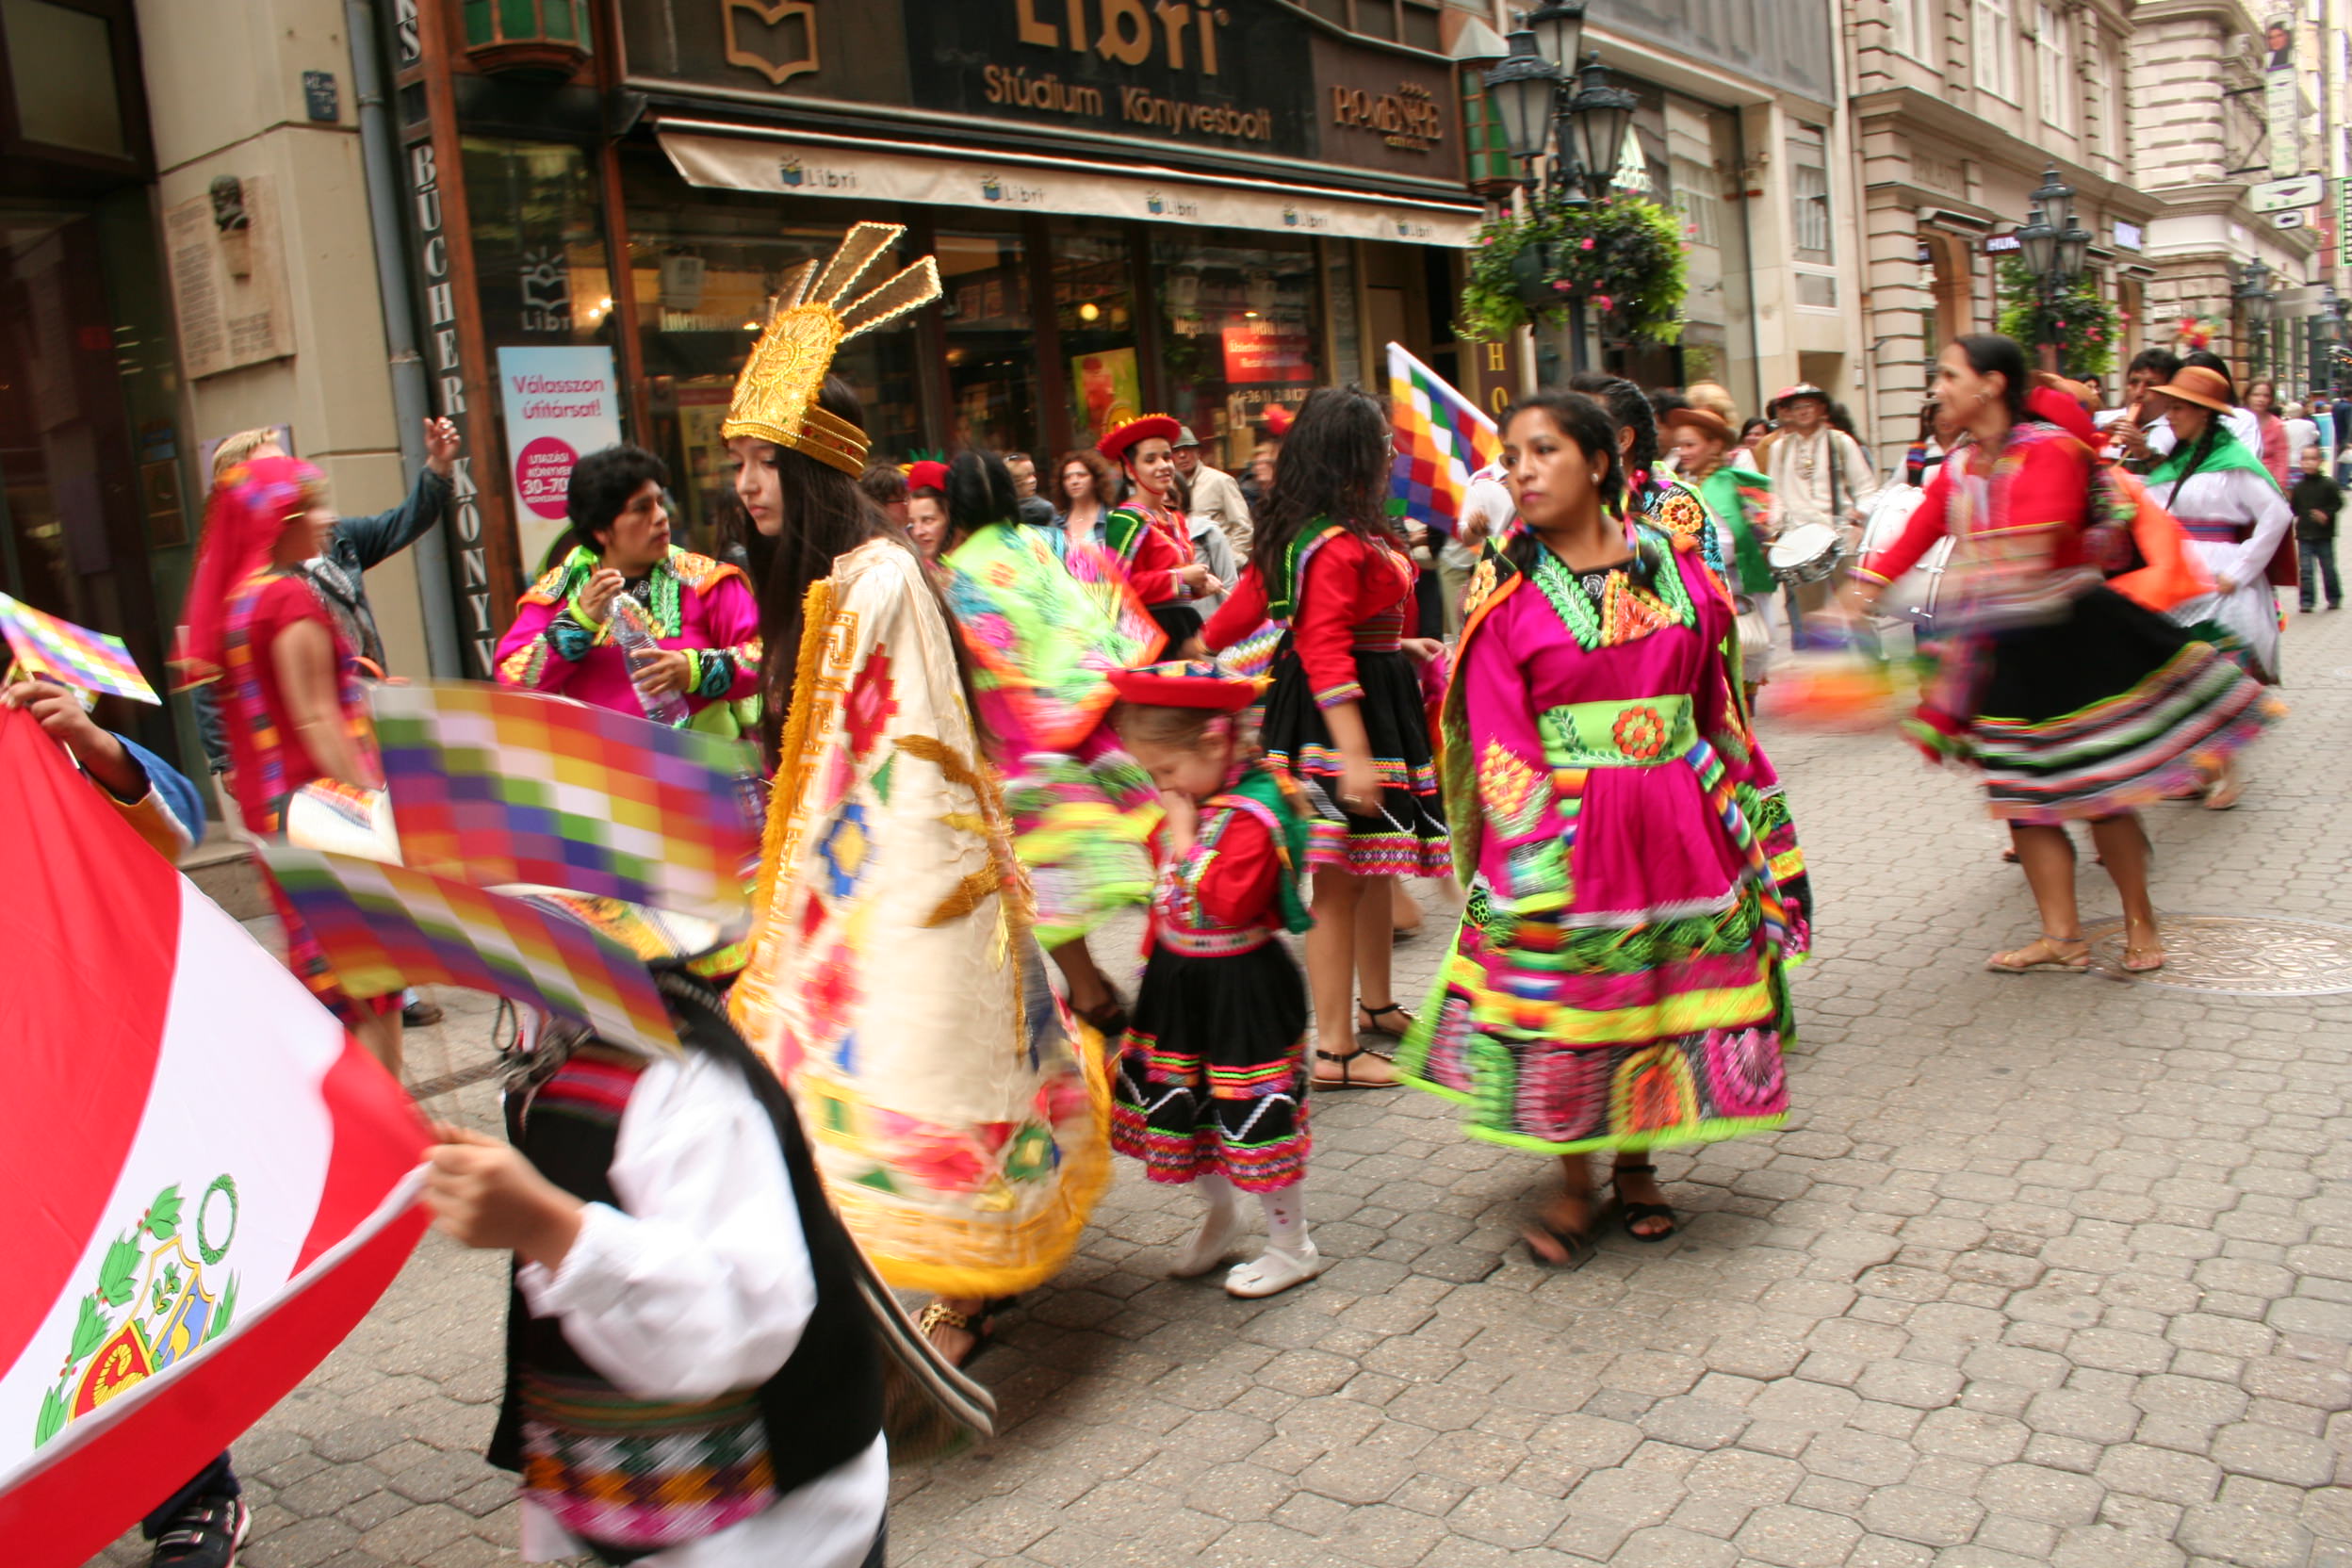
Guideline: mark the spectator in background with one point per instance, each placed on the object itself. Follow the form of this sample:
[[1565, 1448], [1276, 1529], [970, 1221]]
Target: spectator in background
[[2261, 399], [1486, 512], [2317, 501], [926, 508], [1036, 510], [2321, 410], [887, 488], [1209, 543], [1749, 452], [1217, 496], [2302, 434], [1085, 488]]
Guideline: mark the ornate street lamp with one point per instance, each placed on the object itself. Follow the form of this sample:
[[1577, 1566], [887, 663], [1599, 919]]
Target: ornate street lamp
[[1599, 114], [2054, 247], [1524, 90], [2255, 302], [1558, 30], [1584, 130]]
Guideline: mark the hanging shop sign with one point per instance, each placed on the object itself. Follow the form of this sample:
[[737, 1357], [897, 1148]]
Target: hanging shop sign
[[1202, 78], [560, 404], [2303, 190]]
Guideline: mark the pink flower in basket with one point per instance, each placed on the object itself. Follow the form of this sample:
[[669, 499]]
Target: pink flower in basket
[[1603, 301], [1585, 244]]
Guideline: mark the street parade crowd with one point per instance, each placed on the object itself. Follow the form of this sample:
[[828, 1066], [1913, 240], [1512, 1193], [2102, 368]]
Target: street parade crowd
[[986, 723]]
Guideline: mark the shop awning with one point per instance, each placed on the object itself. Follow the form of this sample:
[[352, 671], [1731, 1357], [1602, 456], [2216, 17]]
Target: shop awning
[[796, 163]]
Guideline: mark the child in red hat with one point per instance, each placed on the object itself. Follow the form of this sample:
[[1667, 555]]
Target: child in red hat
[[1211, 1088]]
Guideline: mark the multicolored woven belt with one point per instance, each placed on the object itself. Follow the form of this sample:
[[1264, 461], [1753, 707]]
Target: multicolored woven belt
[[1638, 732]]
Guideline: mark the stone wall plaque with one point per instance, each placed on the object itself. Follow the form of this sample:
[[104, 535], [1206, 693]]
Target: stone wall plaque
[[228, 285]]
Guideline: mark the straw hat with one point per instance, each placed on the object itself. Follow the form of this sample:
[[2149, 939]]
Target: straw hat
[[2194, 383]]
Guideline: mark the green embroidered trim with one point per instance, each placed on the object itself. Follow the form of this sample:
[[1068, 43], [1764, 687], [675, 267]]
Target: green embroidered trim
[[1617, 733], [1582, 618]]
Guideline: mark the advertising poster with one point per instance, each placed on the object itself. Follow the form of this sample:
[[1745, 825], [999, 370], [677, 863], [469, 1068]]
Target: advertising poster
[[1259, 354], [560, 404], [1105, 389]]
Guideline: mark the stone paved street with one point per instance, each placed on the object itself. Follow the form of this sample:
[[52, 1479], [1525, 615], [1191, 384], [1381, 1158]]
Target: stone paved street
[[2044, 1270]]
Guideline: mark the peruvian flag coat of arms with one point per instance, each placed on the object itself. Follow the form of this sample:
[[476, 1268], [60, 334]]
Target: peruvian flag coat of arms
[[209, 1182]]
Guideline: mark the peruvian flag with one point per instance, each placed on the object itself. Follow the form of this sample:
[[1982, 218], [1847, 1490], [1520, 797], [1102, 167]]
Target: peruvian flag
[[207, 1182]]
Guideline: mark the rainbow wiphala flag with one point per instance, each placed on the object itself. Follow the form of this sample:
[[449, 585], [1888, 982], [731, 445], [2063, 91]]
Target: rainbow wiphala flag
[[498, 786], [387, 927], [1442, 439], [71, 655]]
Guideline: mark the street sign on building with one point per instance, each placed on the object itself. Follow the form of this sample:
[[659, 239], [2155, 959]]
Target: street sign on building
[[2303, 190], [2294, 219]]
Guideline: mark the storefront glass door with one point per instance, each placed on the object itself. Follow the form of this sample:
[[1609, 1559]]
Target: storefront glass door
[[1094, 305]]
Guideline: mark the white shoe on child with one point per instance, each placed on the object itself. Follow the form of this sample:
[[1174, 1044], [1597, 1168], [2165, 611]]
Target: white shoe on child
[[1213, 1246], [1273, 1272]]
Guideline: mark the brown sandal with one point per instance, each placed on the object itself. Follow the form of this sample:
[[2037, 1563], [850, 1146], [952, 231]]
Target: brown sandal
[[1347, 1079], [2023, 960]]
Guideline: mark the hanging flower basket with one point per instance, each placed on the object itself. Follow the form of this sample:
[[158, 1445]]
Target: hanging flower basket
[[2083, 326], [1623, 257]]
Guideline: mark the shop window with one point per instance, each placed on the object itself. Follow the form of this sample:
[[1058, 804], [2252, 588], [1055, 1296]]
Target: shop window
[[704, 266], [991, 342], [1808, 194], [1238, 331], [61, 73], [1094, 309]]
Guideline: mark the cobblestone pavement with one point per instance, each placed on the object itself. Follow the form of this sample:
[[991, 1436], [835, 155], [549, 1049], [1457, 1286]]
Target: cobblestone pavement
[[2044, 1270]]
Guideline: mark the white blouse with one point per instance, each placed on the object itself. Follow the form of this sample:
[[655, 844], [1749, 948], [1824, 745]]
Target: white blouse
[[702, 1286]]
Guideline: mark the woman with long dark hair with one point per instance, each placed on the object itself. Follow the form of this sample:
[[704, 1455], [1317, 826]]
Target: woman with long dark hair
[[1343, 717], [890, 980], [2261, 400], [699, 613], [2078, 704], [1635, 882], [1086, 487]]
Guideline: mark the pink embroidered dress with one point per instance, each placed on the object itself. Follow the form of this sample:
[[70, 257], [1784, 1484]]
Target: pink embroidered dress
[[1634, 882], [692, 602]]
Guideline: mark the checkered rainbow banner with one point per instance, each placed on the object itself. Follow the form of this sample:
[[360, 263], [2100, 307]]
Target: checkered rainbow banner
[[387, 927], [71, 655], [1442, 439], [495, 786]]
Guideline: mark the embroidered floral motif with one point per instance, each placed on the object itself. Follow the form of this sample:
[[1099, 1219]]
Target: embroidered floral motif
[[833, 993], [872, 702], [844, 850], [1640, 733], [1513, 791]]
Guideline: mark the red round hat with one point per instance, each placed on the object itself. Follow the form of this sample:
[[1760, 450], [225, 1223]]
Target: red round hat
[[1278, 420], [1181, 684], [929, 474], [1118, 442]]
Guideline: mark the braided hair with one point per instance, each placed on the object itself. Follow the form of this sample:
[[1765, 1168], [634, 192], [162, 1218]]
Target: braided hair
[[1631, 409]]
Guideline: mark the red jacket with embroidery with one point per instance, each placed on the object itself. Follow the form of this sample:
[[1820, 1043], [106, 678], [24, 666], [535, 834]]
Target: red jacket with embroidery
[[1153, 545], [1355, 595]]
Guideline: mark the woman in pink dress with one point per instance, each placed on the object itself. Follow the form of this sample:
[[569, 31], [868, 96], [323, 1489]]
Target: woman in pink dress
[[1635, 882], [699, 613]]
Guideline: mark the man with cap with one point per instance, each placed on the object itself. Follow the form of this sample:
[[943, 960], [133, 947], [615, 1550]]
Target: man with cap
[[1149, 533], [1820, 475], [1216, 494]]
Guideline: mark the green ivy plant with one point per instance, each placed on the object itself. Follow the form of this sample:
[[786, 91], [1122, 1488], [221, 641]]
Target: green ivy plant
[[1623, 257], [2084, 325]]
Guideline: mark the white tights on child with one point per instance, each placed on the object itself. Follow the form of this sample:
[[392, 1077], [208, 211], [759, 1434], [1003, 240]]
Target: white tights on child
[[1289, 1258]]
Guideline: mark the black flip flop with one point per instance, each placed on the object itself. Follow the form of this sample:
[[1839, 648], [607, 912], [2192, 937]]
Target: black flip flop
[[1635, 1212]]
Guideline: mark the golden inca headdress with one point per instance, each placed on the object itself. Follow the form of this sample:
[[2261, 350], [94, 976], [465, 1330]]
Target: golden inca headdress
[[776, 397]]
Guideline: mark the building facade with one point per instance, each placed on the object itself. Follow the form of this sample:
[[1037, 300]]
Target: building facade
[[1960, 108], [2224, 108], [1205, 209], [1740, 127], [190, 254]]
